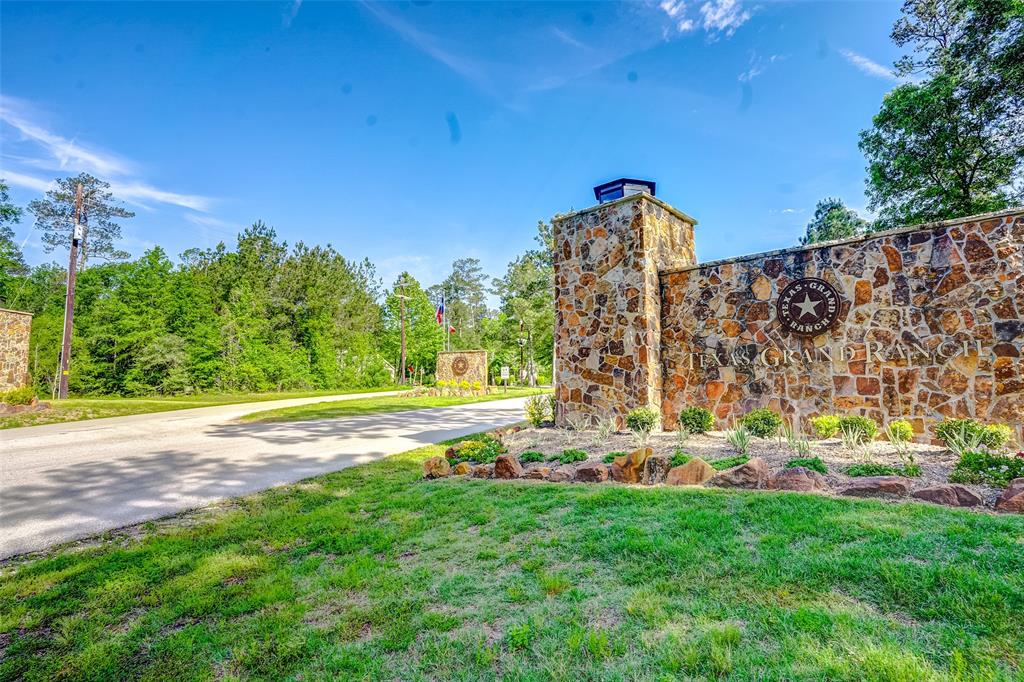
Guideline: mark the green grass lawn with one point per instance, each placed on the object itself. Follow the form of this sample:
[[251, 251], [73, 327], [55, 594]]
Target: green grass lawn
[[351, 408], [77, 409], [373, 573]]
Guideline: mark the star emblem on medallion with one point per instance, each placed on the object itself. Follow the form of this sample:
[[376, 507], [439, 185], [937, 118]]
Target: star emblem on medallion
[[807, 306]]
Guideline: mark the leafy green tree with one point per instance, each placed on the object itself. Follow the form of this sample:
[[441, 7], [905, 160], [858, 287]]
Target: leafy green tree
[[424, 338], [952, 144], [833, 220], [465, 296], [12, 263], [55, 218]]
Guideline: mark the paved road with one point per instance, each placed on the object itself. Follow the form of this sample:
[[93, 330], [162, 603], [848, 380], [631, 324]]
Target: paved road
[[61, 482]]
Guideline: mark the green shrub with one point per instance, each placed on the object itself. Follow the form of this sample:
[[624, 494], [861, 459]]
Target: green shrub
[[679, 458], [987, 467], [858, 429], [950, 430], [482, 450], [696, 419], [762, 422], [739, 439], [18, 396], [812, 463], [825, 426], [729, 462], [899, 431], [997, 436], [531, 456], [572, 455], [873, 469], [540, 409], [642, 419]]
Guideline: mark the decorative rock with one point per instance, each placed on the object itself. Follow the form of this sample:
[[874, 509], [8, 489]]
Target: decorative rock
[[563, 474], [462, 468], [483, 470], [539, 473], [1012, 499], [753, 474], [799, 479], [655, 469], [630, 468], [951, 495], [694, 472], [436, 467], [507, 466], [592, 472], [867, 486], [450, 452]]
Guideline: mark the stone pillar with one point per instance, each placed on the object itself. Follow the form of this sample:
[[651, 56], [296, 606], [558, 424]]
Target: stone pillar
[[608, 304], [15, 328]]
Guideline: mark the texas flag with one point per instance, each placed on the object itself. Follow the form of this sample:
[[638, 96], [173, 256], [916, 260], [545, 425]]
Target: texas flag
[[439, 315]]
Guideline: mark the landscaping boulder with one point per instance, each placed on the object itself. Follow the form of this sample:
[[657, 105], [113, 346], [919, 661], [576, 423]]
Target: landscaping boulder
[[655, 469], [462, 468], [753, 474], [483, 470], [800, 479], [867, 486], [436, 467], [563, 474], [1012, 499], [540, 473], [592, 472], [507, 466], [694, 472], [450, 452], [950, 494], [630, 468]]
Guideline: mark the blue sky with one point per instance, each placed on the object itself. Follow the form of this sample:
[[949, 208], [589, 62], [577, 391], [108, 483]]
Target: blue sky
[[417, 133]]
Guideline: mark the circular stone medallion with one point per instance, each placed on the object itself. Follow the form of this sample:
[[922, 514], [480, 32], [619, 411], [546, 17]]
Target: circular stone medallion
[[460, 366], [808, 306]]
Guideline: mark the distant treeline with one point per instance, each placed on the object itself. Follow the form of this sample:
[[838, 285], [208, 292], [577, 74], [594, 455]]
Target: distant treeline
[[264, 317]]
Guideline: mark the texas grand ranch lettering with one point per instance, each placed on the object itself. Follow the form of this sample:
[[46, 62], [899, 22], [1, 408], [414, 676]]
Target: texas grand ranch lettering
[[774, 356]]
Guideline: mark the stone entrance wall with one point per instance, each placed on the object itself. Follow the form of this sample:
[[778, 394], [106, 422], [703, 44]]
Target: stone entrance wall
[[931, 327], [462, 365], [14, 336], [607, 308], [931, 323]]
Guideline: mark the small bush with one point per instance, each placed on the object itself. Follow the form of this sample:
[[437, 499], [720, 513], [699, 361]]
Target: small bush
[[642, 419], [873, 469], [899, 431], [572, 455], [812, 463], [610, 457], [696, 419], [825, 426], [997, 436], [987, 467], [531, 456], [679, 458], [540, 410], [482, 450], [762, 422], [729, 462], [858, 429], [18, 396]]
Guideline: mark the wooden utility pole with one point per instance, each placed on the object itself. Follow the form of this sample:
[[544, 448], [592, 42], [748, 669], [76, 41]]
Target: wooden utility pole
[[69, 301]]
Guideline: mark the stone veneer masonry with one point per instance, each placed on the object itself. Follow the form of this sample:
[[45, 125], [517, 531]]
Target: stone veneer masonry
[[607, 313], [476, 366], [706, 335], [14, 337]]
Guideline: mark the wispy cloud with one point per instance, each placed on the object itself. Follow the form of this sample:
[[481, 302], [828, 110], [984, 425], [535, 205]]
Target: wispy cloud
[[431, 46], [568, 38], [758, 65], [868, 66], [723, 16], [40, 149], [291, 13], [716, 17]]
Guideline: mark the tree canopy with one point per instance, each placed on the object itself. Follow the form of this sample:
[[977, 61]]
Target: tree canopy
[[833, 220]]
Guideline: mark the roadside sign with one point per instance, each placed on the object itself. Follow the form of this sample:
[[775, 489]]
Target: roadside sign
[[504, 373]]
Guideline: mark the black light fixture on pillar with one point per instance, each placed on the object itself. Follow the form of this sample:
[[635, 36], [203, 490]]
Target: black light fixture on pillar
[[623, 187]]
